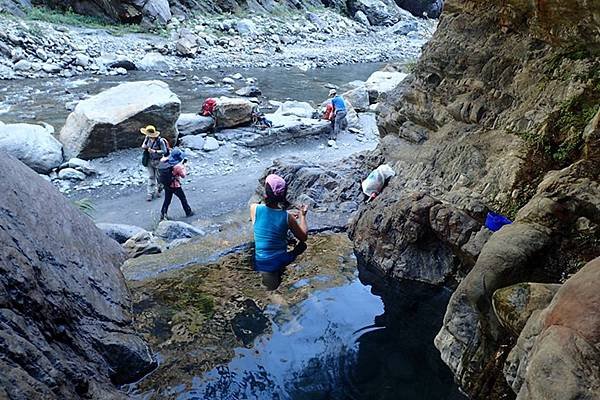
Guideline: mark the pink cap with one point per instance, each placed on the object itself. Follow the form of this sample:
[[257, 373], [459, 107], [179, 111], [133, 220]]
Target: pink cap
[[277, 184]]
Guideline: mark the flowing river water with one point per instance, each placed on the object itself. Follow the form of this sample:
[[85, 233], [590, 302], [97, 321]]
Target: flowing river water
[[333, 337], [46, 101]]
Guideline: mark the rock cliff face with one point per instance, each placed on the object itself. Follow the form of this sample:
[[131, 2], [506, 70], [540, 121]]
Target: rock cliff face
[[501, 112], [64, 306], [377, 12]]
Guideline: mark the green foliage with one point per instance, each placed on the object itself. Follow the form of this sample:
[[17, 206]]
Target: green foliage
[[86, 206], [68, 17], [562, 139]]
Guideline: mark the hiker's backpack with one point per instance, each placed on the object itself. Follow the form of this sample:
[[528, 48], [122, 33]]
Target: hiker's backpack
[[328, 112], [209, 106], [168, 146], [165, 175]]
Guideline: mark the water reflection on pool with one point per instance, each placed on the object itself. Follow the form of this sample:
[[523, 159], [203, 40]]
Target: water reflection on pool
[[341, 343]]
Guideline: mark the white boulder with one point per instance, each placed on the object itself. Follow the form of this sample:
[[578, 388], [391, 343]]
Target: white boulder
[[383, 82], [154, 62], [298, 108], [34, 145], [111, 120]]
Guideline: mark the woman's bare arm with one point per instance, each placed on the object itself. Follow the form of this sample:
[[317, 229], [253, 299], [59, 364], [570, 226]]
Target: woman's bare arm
[[298, 225], [253, 212]]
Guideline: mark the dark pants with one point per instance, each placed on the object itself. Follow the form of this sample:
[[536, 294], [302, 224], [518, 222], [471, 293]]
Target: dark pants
[[272, 280], [169, 192]]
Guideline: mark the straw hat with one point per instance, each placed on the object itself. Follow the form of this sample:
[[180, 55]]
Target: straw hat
[[150, 131]]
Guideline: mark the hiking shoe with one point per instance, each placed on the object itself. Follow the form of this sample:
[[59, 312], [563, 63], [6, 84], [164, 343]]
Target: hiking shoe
[[190, 213], [149, 197]]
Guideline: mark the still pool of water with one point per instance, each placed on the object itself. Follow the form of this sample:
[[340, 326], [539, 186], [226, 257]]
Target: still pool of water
[[342, 343]]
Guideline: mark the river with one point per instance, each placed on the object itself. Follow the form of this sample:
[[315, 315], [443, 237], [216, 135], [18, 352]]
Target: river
[[34, 100]]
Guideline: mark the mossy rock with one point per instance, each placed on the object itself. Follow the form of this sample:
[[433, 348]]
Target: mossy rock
[[513, 305]]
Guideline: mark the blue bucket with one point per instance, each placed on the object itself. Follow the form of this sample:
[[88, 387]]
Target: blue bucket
[[495, 221]]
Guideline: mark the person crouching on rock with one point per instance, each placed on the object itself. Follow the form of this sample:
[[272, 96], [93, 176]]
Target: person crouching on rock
[[170, 172], [271, 223], [157, 148]]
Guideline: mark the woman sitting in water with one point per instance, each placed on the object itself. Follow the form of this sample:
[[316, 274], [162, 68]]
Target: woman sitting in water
[[271, 223]]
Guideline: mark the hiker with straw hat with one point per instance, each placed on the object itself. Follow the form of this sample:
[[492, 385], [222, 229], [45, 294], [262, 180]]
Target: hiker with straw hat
[[155, 148]]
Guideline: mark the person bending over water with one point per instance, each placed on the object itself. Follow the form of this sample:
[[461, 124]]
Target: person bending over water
[[271, 222]]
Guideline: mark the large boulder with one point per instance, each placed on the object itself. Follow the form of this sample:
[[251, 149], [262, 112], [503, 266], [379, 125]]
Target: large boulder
[[514, 305], [414, 236], [285, 127], [193, 124], [297, 108], [119, 232], [378, 12], [15, 7], [65, 315], [34, 145], [232, 112], [111, 120], [194, 142], [529, 248], [382, 82], [358, 97], [556, 356], [172, 230], [154, 62], [156, 11]]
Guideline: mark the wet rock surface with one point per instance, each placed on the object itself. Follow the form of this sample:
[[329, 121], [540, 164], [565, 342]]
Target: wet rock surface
[[536, 247], [514, 305], [65, 307], [203, 306]]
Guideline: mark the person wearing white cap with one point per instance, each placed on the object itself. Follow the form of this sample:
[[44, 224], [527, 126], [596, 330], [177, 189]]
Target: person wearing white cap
[[339, 114]]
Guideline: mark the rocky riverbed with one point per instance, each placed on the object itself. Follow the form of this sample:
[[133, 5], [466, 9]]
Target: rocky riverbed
[[305, 40]]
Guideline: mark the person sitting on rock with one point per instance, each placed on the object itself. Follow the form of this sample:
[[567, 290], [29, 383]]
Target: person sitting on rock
[[171, 170], [157, 148], [271, 223], [259, 120], [339, 114]]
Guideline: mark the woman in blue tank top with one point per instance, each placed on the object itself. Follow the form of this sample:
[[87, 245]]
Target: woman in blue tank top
[[271, 223]]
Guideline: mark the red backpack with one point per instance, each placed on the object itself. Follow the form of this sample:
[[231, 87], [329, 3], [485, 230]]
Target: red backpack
[[208, 107]]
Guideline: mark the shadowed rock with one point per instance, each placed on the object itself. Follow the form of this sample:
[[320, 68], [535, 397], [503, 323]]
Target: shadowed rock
[[64, 305]]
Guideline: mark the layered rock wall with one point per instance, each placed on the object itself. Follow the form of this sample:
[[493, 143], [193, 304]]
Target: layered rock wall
[[501, 113]]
